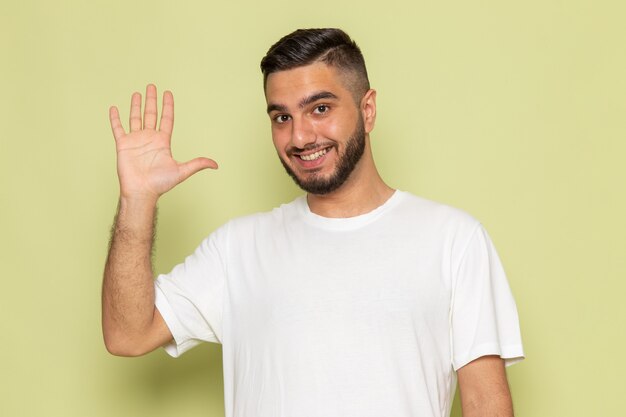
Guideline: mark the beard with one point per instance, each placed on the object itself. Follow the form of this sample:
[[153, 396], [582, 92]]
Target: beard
[[320, 185]]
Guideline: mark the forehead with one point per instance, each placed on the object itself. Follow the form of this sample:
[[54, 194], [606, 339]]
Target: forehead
[[296, 83]]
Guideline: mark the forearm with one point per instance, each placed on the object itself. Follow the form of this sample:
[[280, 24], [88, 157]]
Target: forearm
[[484, 388], [495, 405], [128, 287], [146, 169]]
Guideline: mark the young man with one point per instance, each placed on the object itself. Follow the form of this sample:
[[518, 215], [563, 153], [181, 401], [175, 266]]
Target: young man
[[354, 300]]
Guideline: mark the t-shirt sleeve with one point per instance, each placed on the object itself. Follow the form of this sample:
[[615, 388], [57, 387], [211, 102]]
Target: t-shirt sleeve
[[190, 297], [484, 319]]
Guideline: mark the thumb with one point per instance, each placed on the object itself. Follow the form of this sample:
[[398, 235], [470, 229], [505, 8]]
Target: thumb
[[187, 169]]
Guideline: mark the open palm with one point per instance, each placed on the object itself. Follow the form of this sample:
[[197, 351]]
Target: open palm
[[145, 165]]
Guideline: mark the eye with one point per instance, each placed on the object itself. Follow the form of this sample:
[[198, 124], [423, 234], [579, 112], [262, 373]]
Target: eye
[[281, 118], [321, 109]]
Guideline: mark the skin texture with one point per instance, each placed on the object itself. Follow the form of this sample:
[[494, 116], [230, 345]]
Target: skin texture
[[484, 388], [146, 169], [300, 127], [347, 160], [310, 108]]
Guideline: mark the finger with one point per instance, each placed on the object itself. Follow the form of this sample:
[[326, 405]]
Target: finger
[[150, 111], [187, 169], [116, 123], [135, 112], [167, 113]]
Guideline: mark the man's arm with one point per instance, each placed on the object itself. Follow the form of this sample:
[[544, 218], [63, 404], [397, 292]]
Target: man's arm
[[484, 388], [131, 323]]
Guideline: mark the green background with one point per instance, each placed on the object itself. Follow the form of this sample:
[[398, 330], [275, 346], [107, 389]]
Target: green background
[[512, 111]]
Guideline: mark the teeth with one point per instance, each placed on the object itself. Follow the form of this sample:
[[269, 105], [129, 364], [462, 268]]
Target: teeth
[[314, 156]]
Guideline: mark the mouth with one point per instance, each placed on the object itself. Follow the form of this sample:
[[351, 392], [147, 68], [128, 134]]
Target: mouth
[[314, 156], [312, 159]]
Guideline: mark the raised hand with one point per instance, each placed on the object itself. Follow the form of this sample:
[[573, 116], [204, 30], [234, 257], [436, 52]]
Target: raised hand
[[145, 165]]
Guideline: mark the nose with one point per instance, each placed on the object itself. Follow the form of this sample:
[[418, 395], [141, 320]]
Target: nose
[[302, 132]]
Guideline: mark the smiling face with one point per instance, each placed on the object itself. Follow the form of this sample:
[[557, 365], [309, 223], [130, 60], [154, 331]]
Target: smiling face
[[318, 128]]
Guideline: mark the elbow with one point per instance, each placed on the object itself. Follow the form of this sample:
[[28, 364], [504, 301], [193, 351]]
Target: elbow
[[117, 349], [131, 341], [118, 346]]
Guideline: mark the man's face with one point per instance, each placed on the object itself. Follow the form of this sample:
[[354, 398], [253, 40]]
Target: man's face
[[317, 128]]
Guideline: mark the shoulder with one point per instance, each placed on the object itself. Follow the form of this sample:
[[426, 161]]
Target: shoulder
[[433, 212], [248, 228], [265, 219], [440, 224]]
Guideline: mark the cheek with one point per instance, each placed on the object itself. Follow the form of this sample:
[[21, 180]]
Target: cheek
[[280, 139], [327, 129], [339, 127]]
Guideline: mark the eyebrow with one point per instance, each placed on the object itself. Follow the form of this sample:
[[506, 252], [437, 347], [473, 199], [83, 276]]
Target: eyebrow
[[304, 102]]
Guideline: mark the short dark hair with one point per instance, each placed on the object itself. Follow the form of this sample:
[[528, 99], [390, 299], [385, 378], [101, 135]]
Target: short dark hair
[[306, 46]]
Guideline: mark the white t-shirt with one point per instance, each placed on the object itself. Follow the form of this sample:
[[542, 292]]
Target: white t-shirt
[[365, 316]]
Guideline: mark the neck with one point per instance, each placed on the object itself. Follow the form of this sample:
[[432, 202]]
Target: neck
[[362, 192]]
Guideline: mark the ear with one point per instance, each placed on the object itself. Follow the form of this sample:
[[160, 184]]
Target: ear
[[368, 110]]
